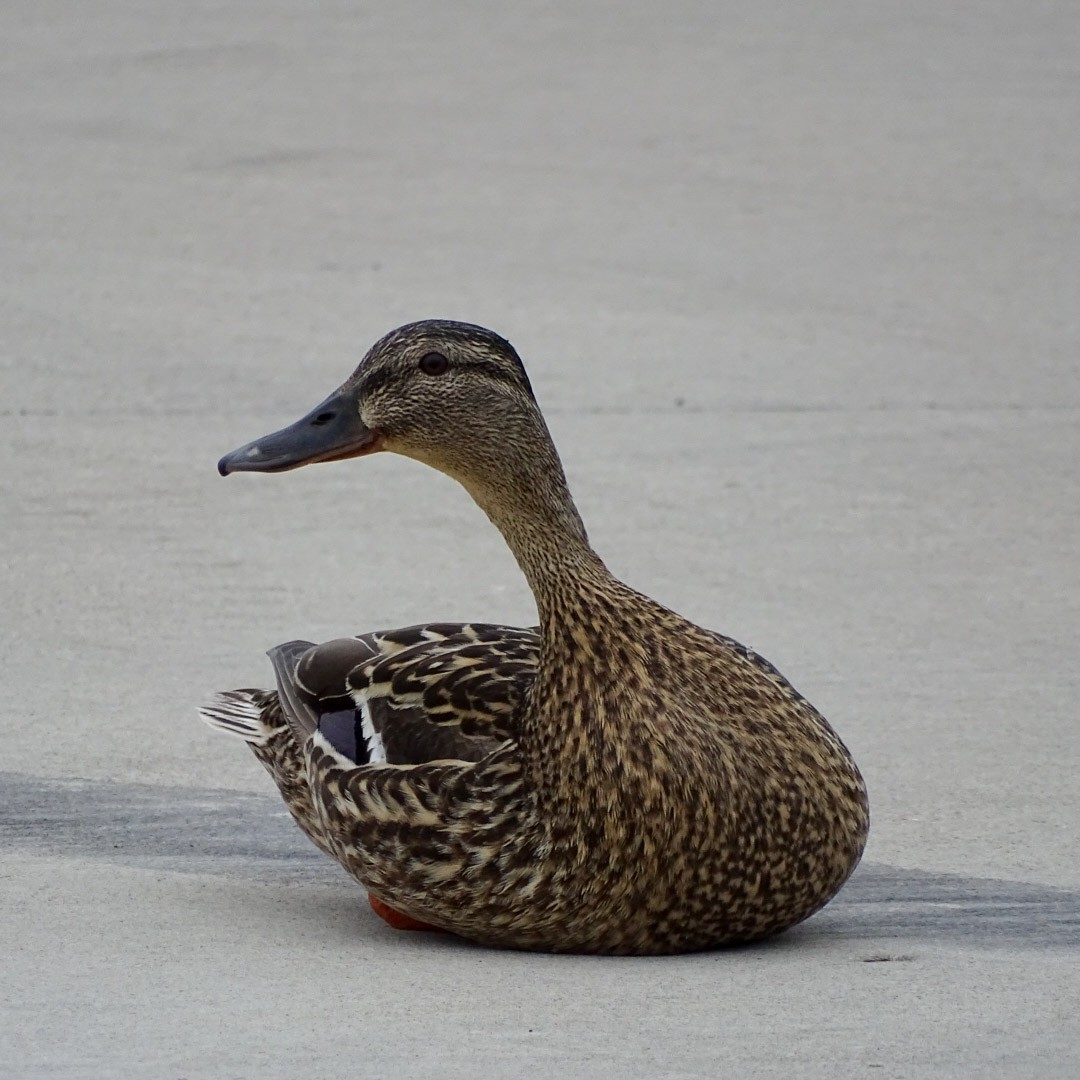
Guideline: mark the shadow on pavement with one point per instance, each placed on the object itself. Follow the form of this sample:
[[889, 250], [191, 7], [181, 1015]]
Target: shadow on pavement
[[211, 831]]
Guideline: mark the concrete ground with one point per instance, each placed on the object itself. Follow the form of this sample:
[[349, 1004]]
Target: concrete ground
[[797, 286]]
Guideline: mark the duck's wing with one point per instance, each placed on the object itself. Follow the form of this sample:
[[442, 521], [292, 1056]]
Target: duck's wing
[[431, 692]]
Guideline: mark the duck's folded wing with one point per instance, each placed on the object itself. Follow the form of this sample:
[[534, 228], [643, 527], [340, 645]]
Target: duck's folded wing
[[432, 692]]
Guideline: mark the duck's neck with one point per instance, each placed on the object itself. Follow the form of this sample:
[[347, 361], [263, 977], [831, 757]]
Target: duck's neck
[[593, 640], [543, 529]]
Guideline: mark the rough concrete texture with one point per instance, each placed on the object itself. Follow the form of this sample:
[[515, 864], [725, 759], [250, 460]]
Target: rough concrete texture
[[797, 288]]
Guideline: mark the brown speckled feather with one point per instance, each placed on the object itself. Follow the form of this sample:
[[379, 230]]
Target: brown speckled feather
[[618, 780]]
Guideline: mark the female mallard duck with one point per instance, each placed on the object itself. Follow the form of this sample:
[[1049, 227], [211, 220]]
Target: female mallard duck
[[617, 780]]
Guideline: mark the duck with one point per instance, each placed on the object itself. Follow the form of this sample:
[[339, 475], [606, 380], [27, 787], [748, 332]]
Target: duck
[[614, 780]]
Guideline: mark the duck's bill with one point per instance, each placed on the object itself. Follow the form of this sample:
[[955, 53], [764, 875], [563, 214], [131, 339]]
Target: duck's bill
[[330, 432]]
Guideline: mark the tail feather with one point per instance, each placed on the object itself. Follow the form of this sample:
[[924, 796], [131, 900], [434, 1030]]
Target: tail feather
[[243, 713]]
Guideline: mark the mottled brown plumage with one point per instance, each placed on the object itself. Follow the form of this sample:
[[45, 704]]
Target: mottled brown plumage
[[618, 781]]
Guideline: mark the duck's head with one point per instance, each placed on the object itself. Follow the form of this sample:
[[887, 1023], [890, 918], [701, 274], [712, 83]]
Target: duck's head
[[450, 394]]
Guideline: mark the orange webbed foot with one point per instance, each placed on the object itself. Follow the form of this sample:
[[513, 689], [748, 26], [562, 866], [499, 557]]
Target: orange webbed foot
[[399, 921]]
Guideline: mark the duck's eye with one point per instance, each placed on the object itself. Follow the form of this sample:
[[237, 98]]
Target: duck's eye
[[434, 363]]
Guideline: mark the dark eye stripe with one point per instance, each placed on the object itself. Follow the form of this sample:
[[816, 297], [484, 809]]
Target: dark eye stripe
[[494, 371], [376, 381]]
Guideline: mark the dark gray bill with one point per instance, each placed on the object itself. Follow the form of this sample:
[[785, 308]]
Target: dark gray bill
[[331, 431]]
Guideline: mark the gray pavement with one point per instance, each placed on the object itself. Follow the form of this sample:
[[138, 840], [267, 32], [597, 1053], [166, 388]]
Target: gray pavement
[[797, 288]]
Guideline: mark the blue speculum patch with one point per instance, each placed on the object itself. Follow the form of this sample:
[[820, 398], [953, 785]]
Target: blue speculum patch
[[344, 729]]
